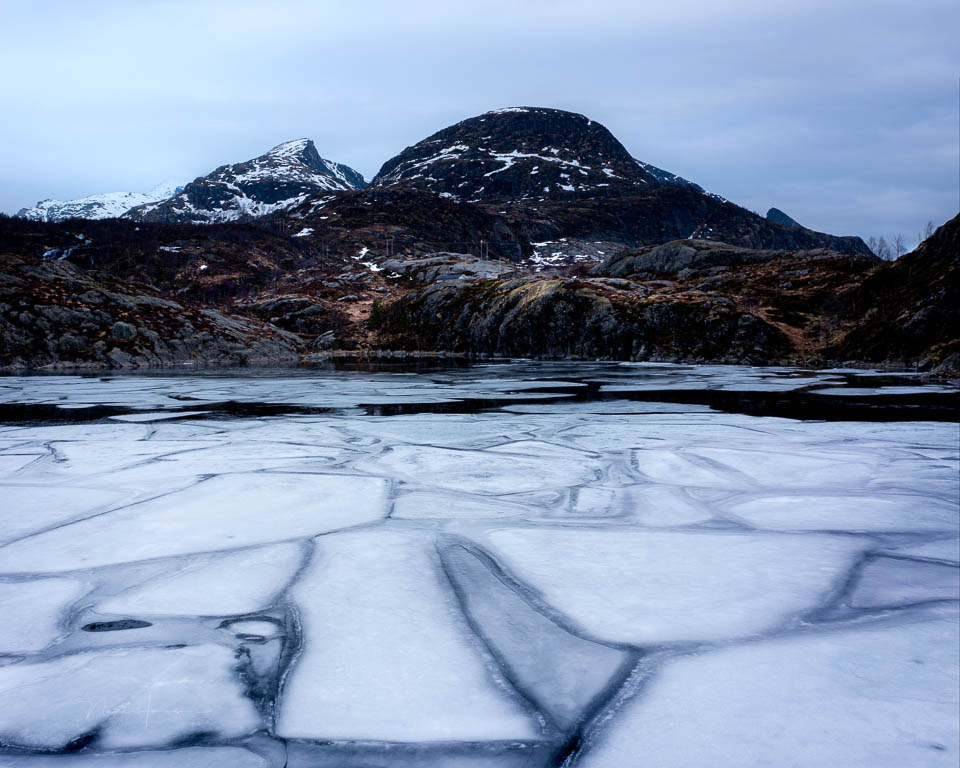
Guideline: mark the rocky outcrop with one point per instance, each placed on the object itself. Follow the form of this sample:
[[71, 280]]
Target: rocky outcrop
[[439, 266], [671, 258], [52, 315], [569, 318], [297, 314]]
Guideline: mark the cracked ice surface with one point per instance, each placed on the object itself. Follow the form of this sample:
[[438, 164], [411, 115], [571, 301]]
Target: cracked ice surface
[[875, 696], [502, 565]]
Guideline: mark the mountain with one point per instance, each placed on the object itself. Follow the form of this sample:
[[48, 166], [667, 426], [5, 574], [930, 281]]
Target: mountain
[[775, 214], [108, 205], [518, 153], [279, 180], [562, 176]]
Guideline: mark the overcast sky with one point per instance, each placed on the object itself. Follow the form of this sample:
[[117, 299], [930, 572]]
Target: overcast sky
[[842, 114]]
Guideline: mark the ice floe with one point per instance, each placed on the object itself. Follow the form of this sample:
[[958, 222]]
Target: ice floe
[[873, 696]]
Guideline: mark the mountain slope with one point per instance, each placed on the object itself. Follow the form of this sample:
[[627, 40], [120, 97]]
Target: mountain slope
[[279, 180], [53, 314], [910, 309], [108, 205]]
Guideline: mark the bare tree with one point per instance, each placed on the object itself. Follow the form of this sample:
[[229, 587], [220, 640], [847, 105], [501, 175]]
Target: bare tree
[[899, 246], [872, 244], [883, 249]]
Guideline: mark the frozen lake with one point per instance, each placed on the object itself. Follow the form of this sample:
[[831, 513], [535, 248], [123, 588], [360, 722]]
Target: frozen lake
[[513, 564]]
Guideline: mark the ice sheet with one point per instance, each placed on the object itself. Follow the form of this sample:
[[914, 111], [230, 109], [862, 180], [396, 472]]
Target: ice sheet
[[470, 588], [213, 585], [884, 697], [225, 512], [124, 698], [893, 581], [852, 512], [186, 757], [559, 671], [480, 472], [942, 549], [662, 587], [388, 654], [31, 508], [31, 612]]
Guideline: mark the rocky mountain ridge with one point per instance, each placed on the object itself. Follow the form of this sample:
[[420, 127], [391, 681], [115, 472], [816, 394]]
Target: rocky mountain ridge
[[548, 175], [108, 205]]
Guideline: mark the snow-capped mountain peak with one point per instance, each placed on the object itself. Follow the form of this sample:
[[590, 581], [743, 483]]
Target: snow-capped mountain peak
[[280, 179], [290, 148]]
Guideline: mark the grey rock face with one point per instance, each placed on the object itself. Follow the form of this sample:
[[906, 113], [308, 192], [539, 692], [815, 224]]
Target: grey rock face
[[437, 266], [680, 255], [297, 314], [121, 330], [559, 318]]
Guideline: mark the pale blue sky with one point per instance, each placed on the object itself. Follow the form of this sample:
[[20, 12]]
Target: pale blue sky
[[843, 114]]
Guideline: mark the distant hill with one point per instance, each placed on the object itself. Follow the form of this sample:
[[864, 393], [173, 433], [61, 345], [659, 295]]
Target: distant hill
[[775, 214]]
